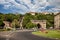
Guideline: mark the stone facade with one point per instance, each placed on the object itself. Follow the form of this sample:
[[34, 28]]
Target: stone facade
[[57, 21], [41, 22], [32, 13], [7, 24], [46, 13]]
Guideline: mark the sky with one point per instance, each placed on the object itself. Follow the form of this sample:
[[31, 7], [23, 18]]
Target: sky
[[23, 6]]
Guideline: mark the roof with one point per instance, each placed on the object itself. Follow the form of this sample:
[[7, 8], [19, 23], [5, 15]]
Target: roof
[[57, 14]]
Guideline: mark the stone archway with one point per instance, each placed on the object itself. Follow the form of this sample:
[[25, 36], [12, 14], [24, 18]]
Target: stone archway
[[41, 23]]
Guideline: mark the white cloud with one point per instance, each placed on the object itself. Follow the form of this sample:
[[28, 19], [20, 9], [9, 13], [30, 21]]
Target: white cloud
[[2, 2], [6, 6], [55, 3], [26, 5]]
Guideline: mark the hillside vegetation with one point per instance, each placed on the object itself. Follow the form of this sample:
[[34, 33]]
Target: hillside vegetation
[[27, 17]]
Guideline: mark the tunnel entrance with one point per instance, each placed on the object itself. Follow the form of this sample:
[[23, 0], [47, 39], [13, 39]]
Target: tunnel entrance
[[39, 26]]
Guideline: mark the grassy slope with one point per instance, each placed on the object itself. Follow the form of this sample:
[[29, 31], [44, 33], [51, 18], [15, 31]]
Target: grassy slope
[[50, 34]]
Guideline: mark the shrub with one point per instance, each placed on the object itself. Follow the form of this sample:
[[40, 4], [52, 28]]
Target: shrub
[[30, 25], [2, 30], [8, 29], [1, 24]]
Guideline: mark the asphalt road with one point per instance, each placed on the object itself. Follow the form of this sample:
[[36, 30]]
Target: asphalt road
[[2, 38], [23, 36]]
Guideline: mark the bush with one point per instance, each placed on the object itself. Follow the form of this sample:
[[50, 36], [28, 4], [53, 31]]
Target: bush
[[2, 30], [30, 25], [17, 26], [1, 24], [8, 29]]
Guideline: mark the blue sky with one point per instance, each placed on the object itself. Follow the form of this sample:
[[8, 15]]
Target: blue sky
[[23, 6]]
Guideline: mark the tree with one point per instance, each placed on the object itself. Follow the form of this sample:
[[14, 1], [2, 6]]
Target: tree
[[41, 17], [50, 20], [9, 17], [26, 19], [1, 24], [15, 23], [30, 25]]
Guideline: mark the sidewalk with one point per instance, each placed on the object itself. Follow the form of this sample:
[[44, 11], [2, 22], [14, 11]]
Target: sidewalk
[[6, 33], [9, 33]]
